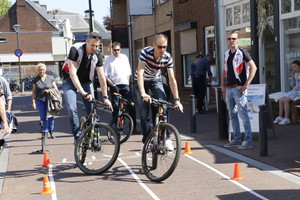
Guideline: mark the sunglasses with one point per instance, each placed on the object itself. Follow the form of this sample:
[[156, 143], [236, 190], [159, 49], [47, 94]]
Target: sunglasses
[[161, 47], [231, 39], [116, 49]]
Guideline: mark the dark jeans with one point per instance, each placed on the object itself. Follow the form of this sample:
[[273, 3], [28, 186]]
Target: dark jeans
[[125, 91], [157, 91], [200, 91]]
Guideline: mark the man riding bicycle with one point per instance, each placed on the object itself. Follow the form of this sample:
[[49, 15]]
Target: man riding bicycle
[[152, 59]]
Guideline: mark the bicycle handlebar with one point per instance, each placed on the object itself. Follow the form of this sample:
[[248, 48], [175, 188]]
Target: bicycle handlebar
[[122, 98], [163, 102], [100, 104]]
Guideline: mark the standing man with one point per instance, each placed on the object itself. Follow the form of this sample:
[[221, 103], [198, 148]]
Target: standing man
[[78, 74], [198, 57], [202, 68], [238, 72], [152, 59], [118, 71]]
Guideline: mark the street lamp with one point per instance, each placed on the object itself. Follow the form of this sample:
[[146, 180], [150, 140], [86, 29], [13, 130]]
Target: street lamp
[[17, 28]]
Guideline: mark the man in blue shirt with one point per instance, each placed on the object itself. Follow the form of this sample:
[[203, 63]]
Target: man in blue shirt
[[193, 69], [202, 68]]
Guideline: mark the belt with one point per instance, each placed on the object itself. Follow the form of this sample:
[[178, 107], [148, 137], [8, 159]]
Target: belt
[[232, 86]]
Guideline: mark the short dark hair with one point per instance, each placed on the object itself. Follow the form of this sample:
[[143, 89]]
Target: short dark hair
[[94, 35], [199, 55], [116, 44], [296, 62]]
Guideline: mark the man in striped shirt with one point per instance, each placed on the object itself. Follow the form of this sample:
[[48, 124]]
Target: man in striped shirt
[[152, 59]]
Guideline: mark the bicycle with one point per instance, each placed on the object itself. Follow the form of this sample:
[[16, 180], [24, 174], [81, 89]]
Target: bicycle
[[122, 123], [158, 162], [94, 153]]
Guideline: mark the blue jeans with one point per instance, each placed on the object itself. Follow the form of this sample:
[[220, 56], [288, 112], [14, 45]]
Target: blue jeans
[[237, 106], [70, 97], [157, 91], [126, 93], [48, 123]]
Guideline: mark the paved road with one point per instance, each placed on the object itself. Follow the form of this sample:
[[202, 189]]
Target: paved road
[[205, 174]]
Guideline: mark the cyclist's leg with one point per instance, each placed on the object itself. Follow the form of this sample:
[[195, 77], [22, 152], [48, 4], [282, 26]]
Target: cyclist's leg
[[114, 99], [143, 110], [70, 97], [158, 92], [88, 87], [42, 106], [126, 92]]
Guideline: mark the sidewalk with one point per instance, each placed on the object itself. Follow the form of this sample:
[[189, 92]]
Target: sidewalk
[[283, 149]]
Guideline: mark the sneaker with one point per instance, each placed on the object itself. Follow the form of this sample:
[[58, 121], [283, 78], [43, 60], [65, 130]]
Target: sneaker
[[232, 143], [245, 145], [277, 120], [169, 145], [285, 121], [52, 136]]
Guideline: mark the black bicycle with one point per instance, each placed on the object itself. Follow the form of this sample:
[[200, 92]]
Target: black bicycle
[[94, 153], [122, 123], [158, 160]]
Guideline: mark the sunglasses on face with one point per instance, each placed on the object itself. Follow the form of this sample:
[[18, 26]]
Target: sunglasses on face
[[161, 47], [231, 39], [116, 49]]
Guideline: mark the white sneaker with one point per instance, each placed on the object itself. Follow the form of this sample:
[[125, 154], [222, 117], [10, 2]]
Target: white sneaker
[[277, 120], [285, 121], [169, 145]]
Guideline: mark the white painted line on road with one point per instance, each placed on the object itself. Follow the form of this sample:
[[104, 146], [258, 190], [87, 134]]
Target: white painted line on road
[[52, 183], [226, 177], [138, 180], [259, 165], [186, 136], [64, 160]]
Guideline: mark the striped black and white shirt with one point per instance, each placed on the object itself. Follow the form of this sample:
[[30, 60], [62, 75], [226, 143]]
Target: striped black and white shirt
[[153, 68]]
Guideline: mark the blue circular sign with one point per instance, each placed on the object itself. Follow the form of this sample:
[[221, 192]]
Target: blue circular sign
[[18, 52]]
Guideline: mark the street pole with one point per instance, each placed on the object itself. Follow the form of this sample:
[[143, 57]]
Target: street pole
[[17, 28], [91, 20]]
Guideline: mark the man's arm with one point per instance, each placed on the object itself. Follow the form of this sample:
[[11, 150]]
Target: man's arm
[[252, 71], [140, 81], [174, 88], [102, 81]]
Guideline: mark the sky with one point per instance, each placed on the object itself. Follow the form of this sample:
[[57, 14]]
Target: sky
[[101, 8]]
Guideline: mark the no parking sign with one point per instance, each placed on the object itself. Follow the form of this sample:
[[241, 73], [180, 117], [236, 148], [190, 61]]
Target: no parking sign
[[18, 52]]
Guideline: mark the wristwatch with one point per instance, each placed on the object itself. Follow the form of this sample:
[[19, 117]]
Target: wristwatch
[[177, 99], [105, 97]]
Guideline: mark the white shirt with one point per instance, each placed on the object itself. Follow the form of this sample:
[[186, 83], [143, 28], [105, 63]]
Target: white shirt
[[117, 69]]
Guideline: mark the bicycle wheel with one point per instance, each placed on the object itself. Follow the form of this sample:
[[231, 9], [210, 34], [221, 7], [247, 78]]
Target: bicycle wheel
[[159, 163], [94, 153], [123, 125]]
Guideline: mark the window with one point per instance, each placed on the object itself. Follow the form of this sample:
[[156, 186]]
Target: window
[[286, 6], [246, 12], [237, 15], [3, 40], [297, 4], [187, 60], [229, 17]]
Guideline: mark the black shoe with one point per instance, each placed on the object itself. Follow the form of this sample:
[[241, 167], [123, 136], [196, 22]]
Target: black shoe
[[52, 136], [2, 144]]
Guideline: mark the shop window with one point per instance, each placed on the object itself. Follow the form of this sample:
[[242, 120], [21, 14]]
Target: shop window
[[237, 15], [229, 17], [297, 4], [286, 6]]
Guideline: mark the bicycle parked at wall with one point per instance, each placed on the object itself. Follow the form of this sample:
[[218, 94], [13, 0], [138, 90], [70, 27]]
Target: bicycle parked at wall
[[94, 153], [122, 123], [158, 161]]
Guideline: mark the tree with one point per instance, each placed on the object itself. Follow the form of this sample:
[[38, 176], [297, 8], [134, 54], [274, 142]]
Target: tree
[[4, 6]]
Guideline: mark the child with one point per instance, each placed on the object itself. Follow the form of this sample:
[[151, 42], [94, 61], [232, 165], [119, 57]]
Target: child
[[293, 95]]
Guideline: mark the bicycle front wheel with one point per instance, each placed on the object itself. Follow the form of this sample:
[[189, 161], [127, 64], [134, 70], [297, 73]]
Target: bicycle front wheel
[[123, 125], [94, 153], [158, 161]]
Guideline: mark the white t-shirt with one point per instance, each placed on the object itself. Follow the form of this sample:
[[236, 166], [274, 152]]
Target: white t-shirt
[[117, 69]]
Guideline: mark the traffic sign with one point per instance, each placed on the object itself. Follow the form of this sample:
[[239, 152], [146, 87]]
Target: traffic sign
[[18, 52]]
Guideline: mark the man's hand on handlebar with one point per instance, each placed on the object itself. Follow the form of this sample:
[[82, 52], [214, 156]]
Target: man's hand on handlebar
[[146, 98], [107, 101]]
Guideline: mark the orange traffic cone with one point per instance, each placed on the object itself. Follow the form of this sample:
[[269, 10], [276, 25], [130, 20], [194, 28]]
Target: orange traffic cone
[[46, 186], [187, 148], [46, 160], [237, 176]]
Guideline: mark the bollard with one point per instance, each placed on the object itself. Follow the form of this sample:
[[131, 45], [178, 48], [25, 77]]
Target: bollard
[[193, 113], [222, 115], [263, 132]]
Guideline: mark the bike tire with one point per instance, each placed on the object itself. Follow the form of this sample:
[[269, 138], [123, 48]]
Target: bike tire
[[124, 129], [157, 162], [99, 158]]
